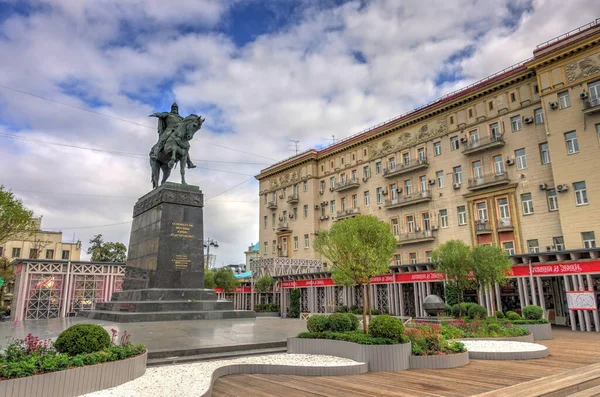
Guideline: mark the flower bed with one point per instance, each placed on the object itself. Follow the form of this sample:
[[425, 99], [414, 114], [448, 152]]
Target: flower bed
[[492, 328], [427, 340]]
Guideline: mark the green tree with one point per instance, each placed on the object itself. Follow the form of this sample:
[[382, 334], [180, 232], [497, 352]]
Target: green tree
[[8, 274], [209, 279], [15, 219], [106, 252], [454, 258], [264, 284], [358, 249], [490, 265], [225, 279]]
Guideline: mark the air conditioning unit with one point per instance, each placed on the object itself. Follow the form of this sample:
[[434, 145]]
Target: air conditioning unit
[[456, 185], [281, 218], [281, 196], [543, 186], [527, 120], [324, 203], [326, 216], [399, 190], [316, 206], [431, 181], [434, 227], [417, 229], [553, 105], [321, 191], [510, 161], [291, 216], [583, 95], [463, 139], [562, 188], [279, 247], [385, 192], [365, 178], [322, 218]]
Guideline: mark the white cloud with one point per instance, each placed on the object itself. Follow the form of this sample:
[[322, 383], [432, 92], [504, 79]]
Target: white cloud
[[299, 82]]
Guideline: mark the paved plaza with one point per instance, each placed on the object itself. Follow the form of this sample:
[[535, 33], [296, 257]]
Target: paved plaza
[[171, 335]]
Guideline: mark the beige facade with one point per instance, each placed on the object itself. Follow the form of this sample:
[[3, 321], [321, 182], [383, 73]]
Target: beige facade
[[41, 244], [487, 164]]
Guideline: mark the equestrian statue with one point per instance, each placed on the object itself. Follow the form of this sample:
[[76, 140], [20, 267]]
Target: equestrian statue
[[173, 146]]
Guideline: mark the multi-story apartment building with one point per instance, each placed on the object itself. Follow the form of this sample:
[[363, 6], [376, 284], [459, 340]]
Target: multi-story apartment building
[[508, 160]]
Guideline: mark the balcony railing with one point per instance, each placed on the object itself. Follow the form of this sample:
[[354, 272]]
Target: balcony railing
[[294, 198], [272, 205], [591, 105], [483, 143], [416, 237], [345, 184], [505, 224], [403, 201], [283, 226], [402, 168], [482, 226], [347, 213], [487, 181]]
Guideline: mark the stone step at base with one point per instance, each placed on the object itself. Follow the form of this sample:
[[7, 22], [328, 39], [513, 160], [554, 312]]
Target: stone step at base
[[164, 306], [215, 356], [137, 317], [159, 294]]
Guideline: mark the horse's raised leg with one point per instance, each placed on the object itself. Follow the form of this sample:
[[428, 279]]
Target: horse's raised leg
[[173, 158], [182, 163]]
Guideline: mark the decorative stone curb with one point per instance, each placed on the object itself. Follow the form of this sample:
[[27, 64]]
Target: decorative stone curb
[[539, 331], [524, 338], [234, 369], [508, 355], [504, 350], [76, 381], [380, 358], [439, 362]]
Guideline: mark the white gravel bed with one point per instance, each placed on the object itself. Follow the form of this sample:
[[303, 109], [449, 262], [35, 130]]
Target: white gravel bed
[[498, 346], [194, 379]]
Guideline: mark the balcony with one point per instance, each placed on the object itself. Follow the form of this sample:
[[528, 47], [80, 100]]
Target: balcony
[[283, 226], [412, 165], [416, 237], [488, 180], [348, 213], [403, 201], [293, 199], [272, 205], [591, 105], [505, 225], [484, 143], [346, 185], [483, 226]]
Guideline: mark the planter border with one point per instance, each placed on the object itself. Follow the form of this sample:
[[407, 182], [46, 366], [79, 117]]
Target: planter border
[[523, 338], [529, 355], [387, 358], [439, 362], [267, 314], [539, 331], [77, 381]]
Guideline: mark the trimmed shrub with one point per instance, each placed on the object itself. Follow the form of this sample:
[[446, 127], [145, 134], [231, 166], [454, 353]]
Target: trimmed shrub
[[464, 308], [499, 315], [477, 311], [533, 312], [540, 321], [340, 322], [82, 338], [354, 320], [386, 326], [351, 336], [341, 309], [317, 323], [294, 310], [447, 309], [512, 316]]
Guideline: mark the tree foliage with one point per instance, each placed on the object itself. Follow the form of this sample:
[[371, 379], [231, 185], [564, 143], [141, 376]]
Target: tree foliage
[[358, 249], [225, 279], [15, 219], [209, 279], [106, 251], [490, 265], [454, 258], [264, 284], [8, 274]]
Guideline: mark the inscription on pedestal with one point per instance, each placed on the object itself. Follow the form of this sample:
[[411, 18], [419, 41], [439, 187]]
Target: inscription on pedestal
[[181, 262], [182, 230]]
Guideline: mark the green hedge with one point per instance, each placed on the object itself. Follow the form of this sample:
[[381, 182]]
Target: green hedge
[[340, 322], [318, 323], [525, 321], [477, 311], [386, 326], [533, 312], [349, 336], [82, 338], [354, 320], [512, 316]]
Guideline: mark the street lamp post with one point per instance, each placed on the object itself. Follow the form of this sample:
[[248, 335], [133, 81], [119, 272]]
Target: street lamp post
[[207, 244]]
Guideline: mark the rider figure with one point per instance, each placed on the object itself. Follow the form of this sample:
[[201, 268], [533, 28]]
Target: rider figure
[[167, 122]]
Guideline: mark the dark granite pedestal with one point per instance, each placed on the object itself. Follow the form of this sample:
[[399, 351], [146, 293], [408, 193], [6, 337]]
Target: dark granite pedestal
[[164, 276]]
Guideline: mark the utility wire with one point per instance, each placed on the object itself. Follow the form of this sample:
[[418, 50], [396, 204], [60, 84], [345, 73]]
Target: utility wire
[[108, 196], [120, 119]]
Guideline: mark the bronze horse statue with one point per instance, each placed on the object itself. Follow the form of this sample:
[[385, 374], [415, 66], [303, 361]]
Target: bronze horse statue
[[173, 147]]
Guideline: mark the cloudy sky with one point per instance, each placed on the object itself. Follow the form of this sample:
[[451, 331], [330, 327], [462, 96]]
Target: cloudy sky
[[85, 74]]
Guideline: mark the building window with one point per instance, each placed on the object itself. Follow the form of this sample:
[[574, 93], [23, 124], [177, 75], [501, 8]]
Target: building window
[[503, 210], [440, 178], [563, 99], [474, 137], [407, 188], [539, 116], [580, 193], [395, 228], [342, 161], [421, 154], [66, 254], [437, 148], [470, 113], [366, 172], [509, 247], [454, 143], [498, 164], [266, 199], [265, 245], [343, 178], [305, 186], [413, 257], [16, 252], [265, 221], [305, 210], [398, 259], [406, 158], [322, 188], [323, 211], [559, 243], [457, 174], [527, 203], [545, 153], [273, 216], [513, 97], [589, 239], [378, 167], [295, 243], [332, 182], [552, 200], [481, 211], [332, 206], [443, 218], [594, 88], [536, 89], [423, 183], [392, 161], [494, 130], [306, 241], [275, 246], [410, 223], [428, 256], [367, 199], [491, 105], [393, 191], [477, 170], [515, 121], [598, 131], [426, 221], [355, 201], [572, 144], [33, 253], [295, 213], [379, 195], [462, 215], [533, 247], [343, 204], [521, 159]]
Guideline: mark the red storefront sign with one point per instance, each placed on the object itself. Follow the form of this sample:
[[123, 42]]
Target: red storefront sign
[[238, 289], [419, 276], [557, 269]]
